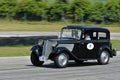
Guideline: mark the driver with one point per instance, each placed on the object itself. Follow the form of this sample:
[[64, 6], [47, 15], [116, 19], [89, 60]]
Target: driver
[[87, 36]]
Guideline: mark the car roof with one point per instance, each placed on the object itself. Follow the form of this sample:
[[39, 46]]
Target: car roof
[[85, 28]]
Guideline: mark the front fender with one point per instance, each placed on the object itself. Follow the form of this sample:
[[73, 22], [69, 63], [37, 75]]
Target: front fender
[[57, 51], [37, 49]]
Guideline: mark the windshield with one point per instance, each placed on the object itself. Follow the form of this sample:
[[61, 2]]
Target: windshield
[[71, 33]]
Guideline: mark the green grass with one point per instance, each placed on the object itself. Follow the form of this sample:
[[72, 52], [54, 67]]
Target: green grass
[[8, 51], [30, 26], [19, 50], [44, 26], [116, 44]]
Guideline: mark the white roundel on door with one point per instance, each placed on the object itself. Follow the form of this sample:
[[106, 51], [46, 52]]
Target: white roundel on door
[[90, 46]]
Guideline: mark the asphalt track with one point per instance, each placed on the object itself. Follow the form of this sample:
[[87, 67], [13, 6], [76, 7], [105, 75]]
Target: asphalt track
[[20, 68], [24, 34]]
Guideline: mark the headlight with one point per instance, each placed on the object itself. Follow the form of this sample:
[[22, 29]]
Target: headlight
[[40, 42], [54, 43]]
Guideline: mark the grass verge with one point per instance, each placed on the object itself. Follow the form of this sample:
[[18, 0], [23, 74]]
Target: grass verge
[[116, 44], [44, 26], [8, 51]]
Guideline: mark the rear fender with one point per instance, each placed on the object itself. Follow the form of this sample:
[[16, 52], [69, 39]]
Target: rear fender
[[105, 48]]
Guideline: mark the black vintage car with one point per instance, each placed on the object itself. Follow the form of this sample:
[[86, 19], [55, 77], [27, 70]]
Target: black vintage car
[[72, 45]]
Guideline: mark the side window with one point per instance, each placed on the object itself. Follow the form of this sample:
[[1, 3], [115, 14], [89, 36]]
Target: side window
[[94, 35], [102, 35]]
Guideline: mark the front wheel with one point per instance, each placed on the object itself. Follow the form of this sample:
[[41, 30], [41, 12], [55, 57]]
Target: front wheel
[[61, 60], [35, 60], [104, 57]]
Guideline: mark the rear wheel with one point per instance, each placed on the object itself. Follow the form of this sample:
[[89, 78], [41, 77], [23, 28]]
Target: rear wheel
[[104, 57], [61, 60], [35, 60]]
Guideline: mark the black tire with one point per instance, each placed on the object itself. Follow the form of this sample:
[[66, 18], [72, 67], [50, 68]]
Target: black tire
[[61, 60], [79, 61], [35, 60], [104, 57]]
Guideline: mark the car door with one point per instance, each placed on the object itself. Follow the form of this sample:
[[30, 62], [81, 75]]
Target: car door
[[87, 49]]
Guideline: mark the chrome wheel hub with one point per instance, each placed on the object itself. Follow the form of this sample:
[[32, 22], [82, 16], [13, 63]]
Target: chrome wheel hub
[[104, 56], [62, 59]]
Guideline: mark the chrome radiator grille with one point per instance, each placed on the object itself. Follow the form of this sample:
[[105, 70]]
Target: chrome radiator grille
[[47, 49]]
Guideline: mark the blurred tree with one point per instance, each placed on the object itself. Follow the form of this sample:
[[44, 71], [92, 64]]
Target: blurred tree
[[57, 11], [43, 5], [78, 9], [7, 8], [97, 12], [113, 11], [30, 9]]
